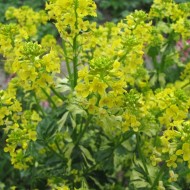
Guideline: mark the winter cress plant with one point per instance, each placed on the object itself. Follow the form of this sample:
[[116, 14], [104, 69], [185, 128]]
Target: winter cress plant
[[118, 118]]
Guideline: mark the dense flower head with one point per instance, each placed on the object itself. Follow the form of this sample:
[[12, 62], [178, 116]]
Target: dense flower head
[[26, 18], [69, 15]]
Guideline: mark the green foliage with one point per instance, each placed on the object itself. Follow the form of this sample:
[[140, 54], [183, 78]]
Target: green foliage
[[114, 10]]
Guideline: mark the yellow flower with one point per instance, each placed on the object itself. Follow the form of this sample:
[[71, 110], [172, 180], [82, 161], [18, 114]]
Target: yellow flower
[[172, 161], [161, 185], [83, 73], [83, 89], [92, 108], [35, 116], [16, 107], [173, 176], [186, 151], [106, 101], [32, 135], [155, 160], [131, 121], [98, 86]]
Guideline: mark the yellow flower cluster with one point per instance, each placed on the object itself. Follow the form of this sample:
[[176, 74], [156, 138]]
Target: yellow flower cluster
[[70, 14], [27, 19], [117, 64], [178, 13], [33, 66], [23, 27], [20, 128]]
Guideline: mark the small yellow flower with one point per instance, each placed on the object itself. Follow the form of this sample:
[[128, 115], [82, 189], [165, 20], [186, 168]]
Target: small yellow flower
[[173, 176], [186, 151], [106, 101], [83, 89], [172, 161], [98, 86]]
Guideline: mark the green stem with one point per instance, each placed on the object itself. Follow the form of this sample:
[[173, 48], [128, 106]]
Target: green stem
[[75, 48], [82, 132], [185, 85], [142, 157], [75, 62], [57, 94], [38, 106], [67, 60], [155, 63], [158, 177], [49, 98]]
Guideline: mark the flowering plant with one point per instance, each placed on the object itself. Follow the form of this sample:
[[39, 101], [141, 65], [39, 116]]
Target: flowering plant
[[116, 116]]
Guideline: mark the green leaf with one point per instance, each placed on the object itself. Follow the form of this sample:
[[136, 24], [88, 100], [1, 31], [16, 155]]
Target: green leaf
[[153, 51], [96, 182], [62, 121], [67, 153], [87, 154]]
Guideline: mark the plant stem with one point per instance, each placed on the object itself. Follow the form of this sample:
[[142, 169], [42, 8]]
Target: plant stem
[[75, 48], [83, 131], [49, 98], [75, 62], [142, 157], [57, 94], [38, 106], [158, 176], [66, 59]]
